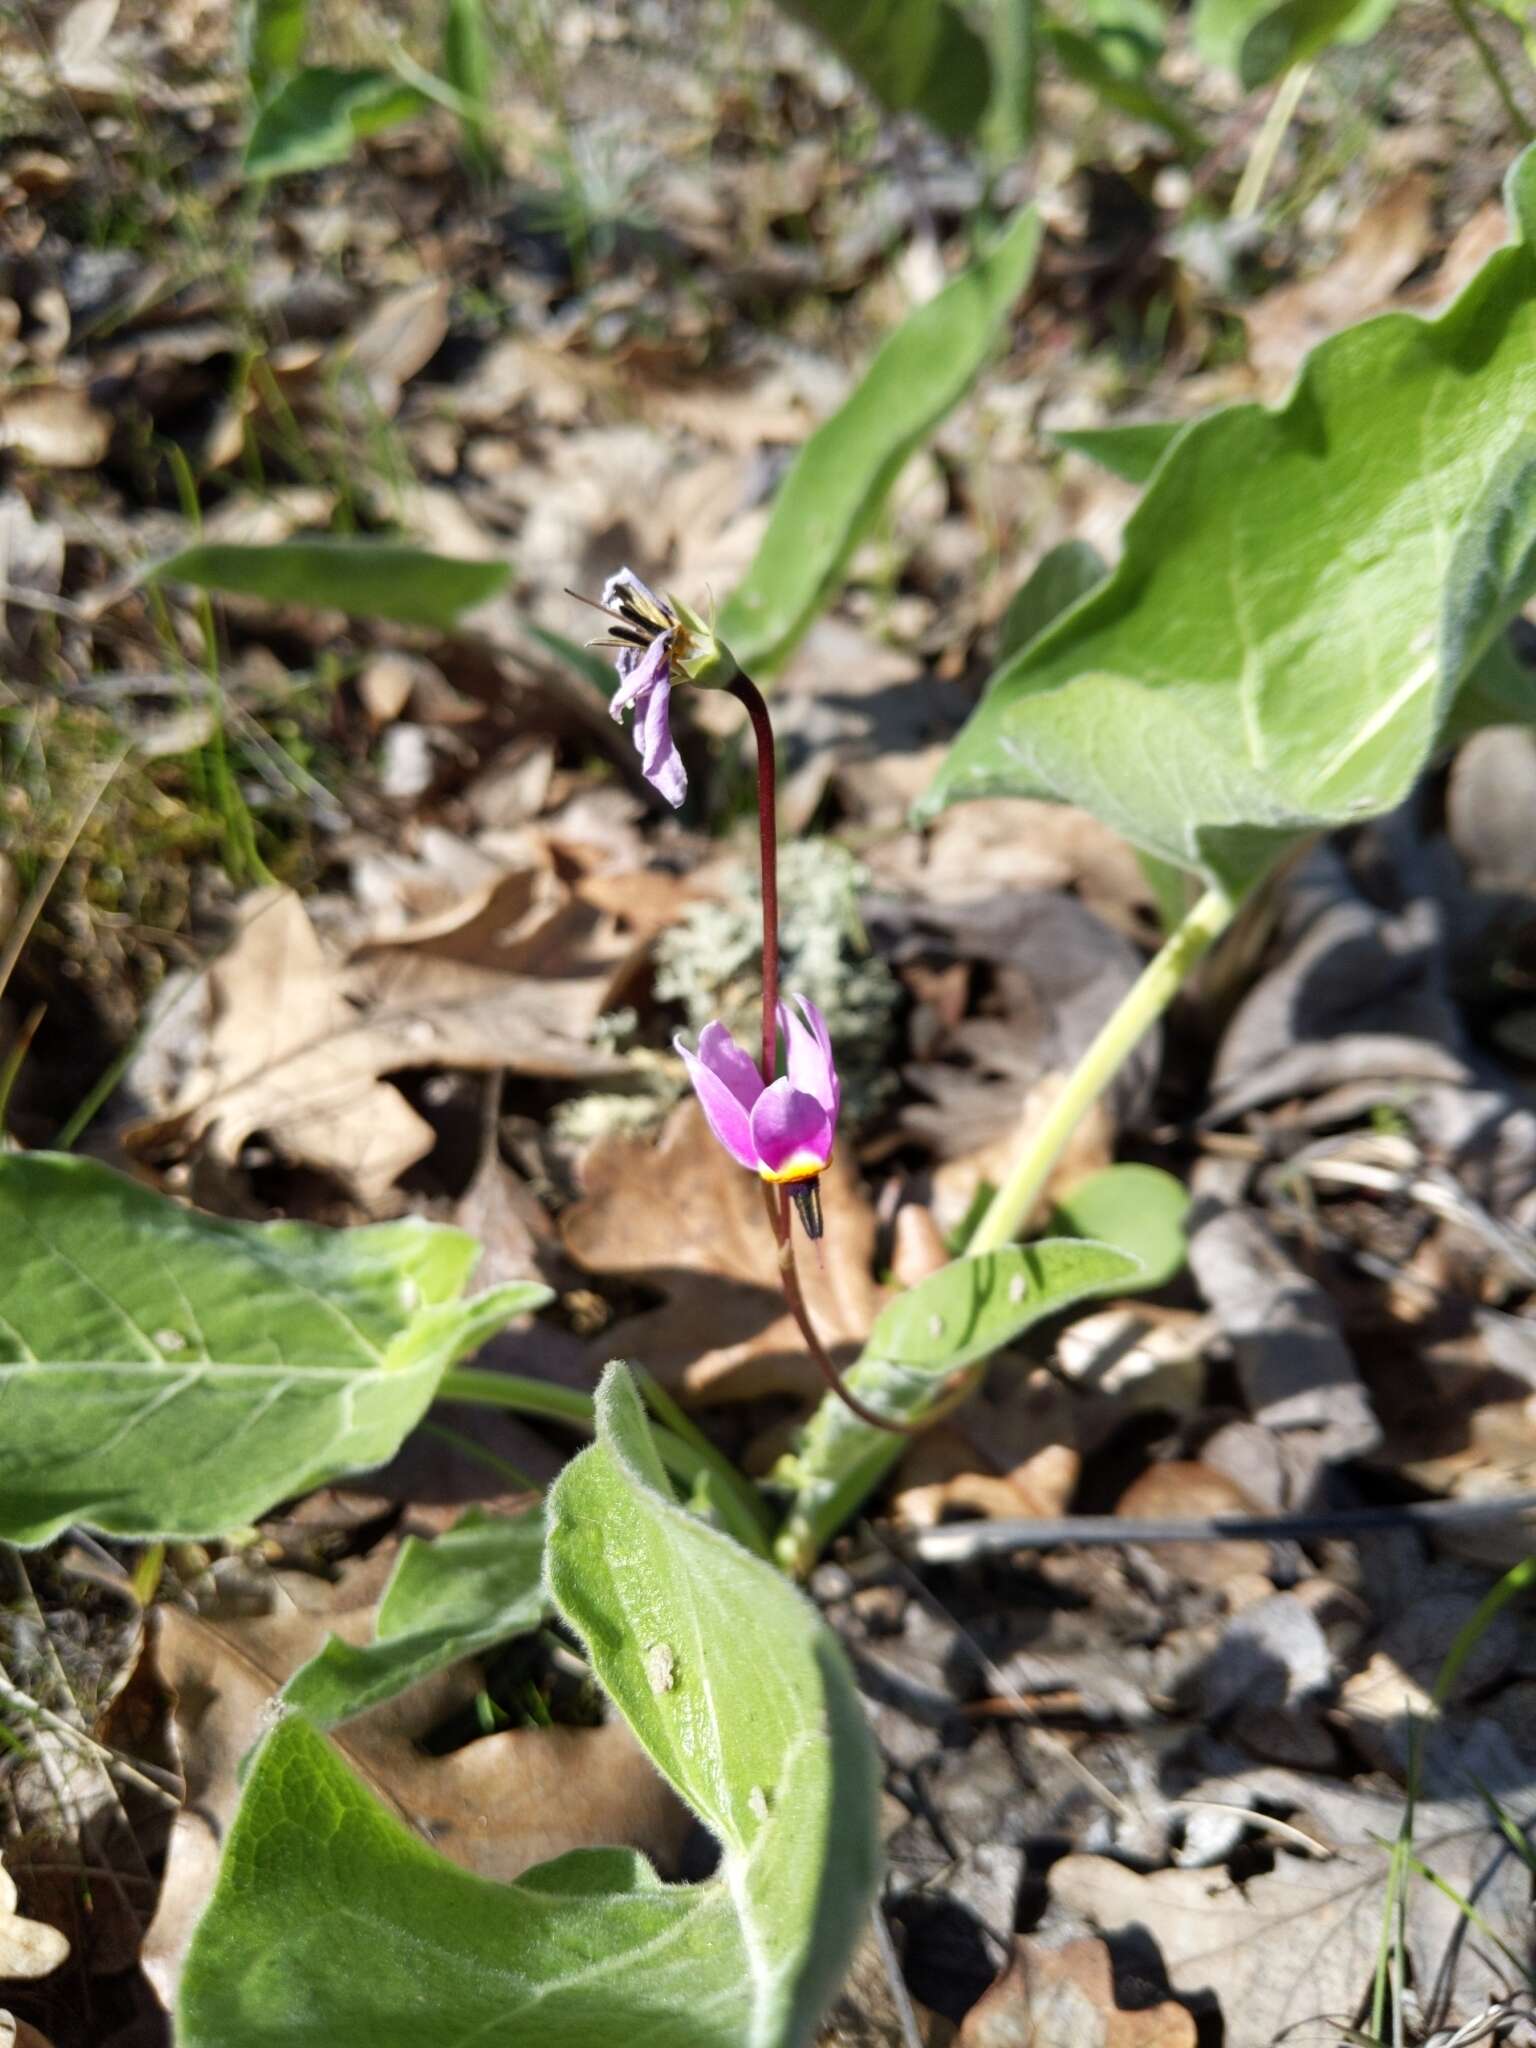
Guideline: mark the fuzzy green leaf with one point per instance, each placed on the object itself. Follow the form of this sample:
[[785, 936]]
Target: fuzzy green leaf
[[317, 116], [917, 1363], [842, 474], [166, 1373], [332, 1924], [480, 1583], [1061, 576], [918, 56], [375, 579], [1140, 1210], [1301, 596]]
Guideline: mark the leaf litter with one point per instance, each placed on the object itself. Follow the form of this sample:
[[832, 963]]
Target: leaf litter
[[427, 885]]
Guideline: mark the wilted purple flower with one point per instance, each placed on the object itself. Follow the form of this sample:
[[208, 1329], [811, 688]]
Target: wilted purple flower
[[649, 637], [783, 1130]]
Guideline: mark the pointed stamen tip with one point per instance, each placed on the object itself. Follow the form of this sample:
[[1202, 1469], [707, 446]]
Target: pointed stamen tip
[[806, 1196]]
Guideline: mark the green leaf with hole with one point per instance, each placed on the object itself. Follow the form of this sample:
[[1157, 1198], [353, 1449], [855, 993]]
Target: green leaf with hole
[[331, 1923], [918, 1363], [319, 115], [917, 56], [1140, 1210], [373, 579], [478, 1584], [167, 1373], [1301, 596], [842, 474]]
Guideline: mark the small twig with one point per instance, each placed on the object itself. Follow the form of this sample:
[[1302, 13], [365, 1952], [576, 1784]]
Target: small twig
[[901, 1998], [960, 1542]]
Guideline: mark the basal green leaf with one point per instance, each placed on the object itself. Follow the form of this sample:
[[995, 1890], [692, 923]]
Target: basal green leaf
[[272, 40], [479, 1584], [1061, 576], [1132, 451], [166, 1373], [917, 1363], [375, 579], [467, 68], [1258, 39], [331, 1924], [315, 118], [1140, 1210], [843, 472], [1301, 596], [918, 56]]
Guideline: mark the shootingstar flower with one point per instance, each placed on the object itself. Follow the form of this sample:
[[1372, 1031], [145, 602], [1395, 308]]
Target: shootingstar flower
[[782, 1130], [658, 639]]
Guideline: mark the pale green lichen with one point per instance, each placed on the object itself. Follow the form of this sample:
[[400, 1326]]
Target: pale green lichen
[[710, 963]]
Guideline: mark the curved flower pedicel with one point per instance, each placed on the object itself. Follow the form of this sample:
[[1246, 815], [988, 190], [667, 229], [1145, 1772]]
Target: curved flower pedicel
[[784, 1130]]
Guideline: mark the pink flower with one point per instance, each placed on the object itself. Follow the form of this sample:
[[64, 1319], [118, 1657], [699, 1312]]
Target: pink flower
[[783, 1130]]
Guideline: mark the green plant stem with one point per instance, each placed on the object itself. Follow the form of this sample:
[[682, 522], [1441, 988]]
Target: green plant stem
[[1155, 988], [1489, 57], [683, 1460], [1282, 108]]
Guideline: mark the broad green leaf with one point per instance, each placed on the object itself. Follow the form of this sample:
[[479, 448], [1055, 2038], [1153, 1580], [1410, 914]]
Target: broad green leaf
[[272, 40], [331, 1924], [918, 56], [841, 475], [1081, 57], [1301, 596], [1061, 576], [1132, 451], [167, 1373], [1140, 1210], [318, 115], [1258, 39], [1013, 46], [479, 1584], [467, 68], [374, 579], [916, 1366]]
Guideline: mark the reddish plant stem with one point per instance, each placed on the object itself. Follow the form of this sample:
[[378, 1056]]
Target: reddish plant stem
[[748, 694], [776, 1199]]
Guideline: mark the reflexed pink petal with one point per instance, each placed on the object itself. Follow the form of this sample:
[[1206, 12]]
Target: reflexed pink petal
[[790, 1129], [810, 1063], [638, 674], [659, 758], [726, 1060], [724, 1114]]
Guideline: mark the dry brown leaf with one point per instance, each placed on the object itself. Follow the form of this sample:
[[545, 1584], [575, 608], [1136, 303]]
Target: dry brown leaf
[[400, 336], [1184, 1489], [55, 425], [28, 1948], [1012, 1456], [285, 1053], [1298, 1943], [679, 1214], [1387, 243], [497, 1807], [1065, 1998]]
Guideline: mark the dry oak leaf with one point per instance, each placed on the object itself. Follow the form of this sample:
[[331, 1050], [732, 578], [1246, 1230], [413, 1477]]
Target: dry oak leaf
[[679, 1214], [1065, 1998], [28, 1948], [497, 1807], [1295, 1947]]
